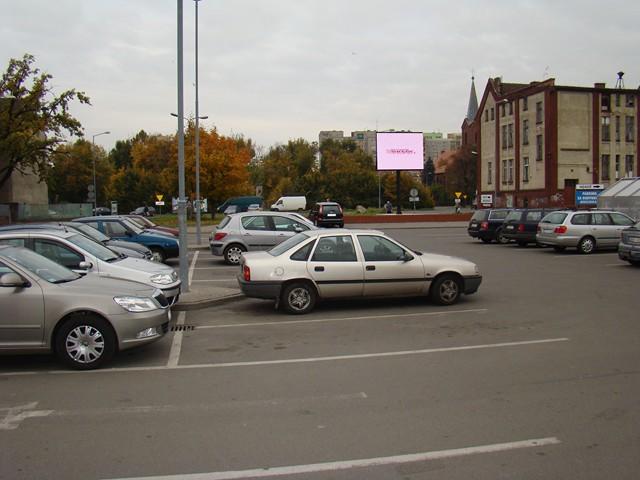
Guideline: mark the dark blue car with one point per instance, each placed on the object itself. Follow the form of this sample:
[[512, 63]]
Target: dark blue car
[[162, 246]]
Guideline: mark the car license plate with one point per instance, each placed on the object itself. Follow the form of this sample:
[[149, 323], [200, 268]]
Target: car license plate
[[331, 214], [509, 227], [474, 224]]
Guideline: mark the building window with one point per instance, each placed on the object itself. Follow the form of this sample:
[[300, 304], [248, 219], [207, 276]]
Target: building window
[[486, 115], [628, 129], [504, 171], [538, 147], [606, 129], [525, 104], [504, 137], [617, 167], [604, 170], [630, 100], [525, 132], [605, 102], [503, 110], [510, 135], [492, 114], [489, 173], [617, 126], [510, 163], [538, 112], [617, 97], [525, 169], [628, 165], [510, 108]]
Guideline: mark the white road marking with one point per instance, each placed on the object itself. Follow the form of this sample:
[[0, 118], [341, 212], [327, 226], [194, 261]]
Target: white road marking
[[615, 265], [176, 345], [222, 267], [15, 415], [359, 463], [343, 319], [228, 280], [292, 360], [193, 265]]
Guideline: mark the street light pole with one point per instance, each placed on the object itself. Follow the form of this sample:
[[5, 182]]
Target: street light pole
[[93, 157], [197, 140]]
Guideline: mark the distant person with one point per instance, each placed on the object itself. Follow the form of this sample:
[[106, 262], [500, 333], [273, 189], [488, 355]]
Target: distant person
[[388, 207], [457, 204], [145, 210]]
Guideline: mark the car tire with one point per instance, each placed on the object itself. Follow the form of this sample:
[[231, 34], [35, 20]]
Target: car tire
[[587, 245], [233, 253], [85, 342], [446, 289], [500, 238], [486, 240], [559, 248], [635, 263], [298, 298], [158, 255]]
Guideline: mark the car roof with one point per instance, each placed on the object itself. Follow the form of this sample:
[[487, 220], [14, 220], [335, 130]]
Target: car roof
[[100, 217], [327, 203], [257, 213], [39, 232], [341, 231]]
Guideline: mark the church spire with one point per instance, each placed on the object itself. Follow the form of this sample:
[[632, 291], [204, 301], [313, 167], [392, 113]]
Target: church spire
[[473, 102]]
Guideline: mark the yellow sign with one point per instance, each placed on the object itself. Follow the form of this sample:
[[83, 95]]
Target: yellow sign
[[159, 196], [458, 194]]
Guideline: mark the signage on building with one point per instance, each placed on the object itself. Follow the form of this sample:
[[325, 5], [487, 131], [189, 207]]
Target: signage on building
[[486, 200], [587, 194]]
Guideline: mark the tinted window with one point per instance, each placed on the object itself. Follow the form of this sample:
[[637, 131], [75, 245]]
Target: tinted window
[[16, 242], [480, 215], [515, 215], [580, 219], [114, 229], [256, 223], [58, 253], [556, 218], [288, 244], [303, 254], [601, 219], [534, 216], [379, 249], [498, 214], [619, 219], [335, 249]]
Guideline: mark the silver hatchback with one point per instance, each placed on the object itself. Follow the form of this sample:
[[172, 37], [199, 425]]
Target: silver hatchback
[[253, 231], [584, 230]]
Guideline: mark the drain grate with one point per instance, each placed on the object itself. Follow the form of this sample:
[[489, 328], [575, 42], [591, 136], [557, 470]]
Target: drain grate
[[183, 328]]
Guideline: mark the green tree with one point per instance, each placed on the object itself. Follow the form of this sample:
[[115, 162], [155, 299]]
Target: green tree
[[407, 182], [33, 120]]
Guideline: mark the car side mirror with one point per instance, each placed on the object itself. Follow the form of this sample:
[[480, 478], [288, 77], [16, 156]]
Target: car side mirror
[[13, 280], [407, 257], [85, 265], [298, 229]]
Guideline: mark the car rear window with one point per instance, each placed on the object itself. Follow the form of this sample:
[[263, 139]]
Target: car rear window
[[555, 218], [480, 215], [224, 222], [534, 216], [330, 209], [580, 219], [515, 215], [498, 214]]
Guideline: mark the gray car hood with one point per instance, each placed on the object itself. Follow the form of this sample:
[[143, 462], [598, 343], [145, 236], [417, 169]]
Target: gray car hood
[[91, 283]]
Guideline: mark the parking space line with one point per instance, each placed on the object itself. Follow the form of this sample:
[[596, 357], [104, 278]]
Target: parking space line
[[402, 353], [342, 319], [222, 267], [176, 345], [193, 265], [359, 463]]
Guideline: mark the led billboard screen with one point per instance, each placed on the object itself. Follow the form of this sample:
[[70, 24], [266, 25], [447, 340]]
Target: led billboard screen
[[399, 151]]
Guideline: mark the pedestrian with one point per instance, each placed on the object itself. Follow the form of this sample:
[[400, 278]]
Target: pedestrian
[[388, 207], [145, 210], [457, 204]]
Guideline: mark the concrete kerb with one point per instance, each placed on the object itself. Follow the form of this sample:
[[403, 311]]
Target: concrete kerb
[[185, 306]]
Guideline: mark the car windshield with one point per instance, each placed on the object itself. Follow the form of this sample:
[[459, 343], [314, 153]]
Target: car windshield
[[133, 226], [94, 248], [556, 218], [44, 268], [90, 232], [287, 244], [515, 215]]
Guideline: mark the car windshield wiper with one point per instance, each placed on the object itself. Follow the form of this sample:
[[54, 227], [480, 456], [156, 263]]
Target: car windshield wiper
[[65, 280], [113, 259]]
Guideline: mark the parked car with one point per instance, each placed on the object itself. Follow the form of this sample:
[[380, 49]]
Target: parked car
[[323, 264], [162, 245], [629, 246], [487, 225], [521, 225], [129, 249], [327, 214], [145, 223], [290, 204], [250, 231], [585, 230], [102, 211], [83, 255], [145, 211], [241, 204], [84, 320]]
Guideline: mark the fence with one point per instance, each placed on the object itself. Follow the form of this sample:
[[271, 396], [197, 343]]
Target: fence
[[23, 212]]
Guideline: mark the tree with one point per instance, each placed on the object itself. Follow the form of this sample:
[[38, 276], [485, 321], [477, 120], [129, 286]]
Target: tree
[[461, 173], [33, 121]]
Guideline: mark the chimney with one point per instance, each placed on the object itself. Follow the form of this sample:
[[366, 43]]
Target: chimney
[[599, 85]]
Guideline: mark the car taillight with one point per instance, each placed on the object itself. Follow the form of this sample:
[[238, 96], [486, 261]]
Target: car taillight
[[320, 210], [340, 207], [521, 228], [219, 235], [246, 273], [484, 226], [560, 229]]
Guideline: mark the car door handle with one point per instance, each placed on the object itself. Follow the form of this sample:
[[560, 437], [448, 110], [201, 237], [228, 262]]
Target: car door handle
[[319, 269], [371, 267]]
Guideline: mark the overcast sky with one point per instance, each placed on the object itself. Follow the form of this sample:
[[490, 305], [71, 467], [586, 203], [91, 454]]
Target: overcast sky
[[273, 70]]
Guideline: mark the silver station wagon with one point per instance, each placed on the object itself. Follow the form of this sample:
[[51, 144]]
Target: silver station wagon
[[323, 264]]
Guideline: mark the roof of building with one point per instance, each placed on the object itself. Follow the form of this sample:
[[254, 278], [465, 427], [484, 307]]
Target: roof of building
[[473, 102]]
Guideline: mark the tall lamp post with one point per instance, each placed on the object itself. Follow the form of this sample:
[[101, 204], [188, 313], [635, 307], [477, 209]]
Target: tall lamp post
[[198, 205], [93, 156]]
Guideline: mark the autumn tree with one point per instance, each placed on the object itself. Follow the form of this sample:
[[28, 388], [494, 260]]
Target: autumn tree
[[33, 120], [407, 182], [461, 173]]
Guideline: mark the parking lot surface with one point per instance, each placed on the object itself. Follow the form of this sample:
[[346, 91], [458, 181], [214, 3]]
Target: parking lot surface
[[535, 376]]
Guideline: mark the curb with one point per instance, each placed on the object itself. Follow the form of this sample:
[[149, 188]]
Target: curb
[[206, 303]]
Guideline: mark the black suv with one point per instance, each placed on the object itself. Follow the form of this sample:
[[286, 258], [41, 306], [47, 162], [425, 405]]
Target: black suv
[[521, 225], [327, 214], [487, 225]]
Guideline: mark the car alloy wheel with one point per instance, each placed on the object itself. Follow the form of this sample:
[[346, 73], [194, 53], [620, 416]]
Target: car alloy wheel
[[299, 298], [157, 255], [446, 290], [501, 238], [85, 342], [233, 253], [587, 245]]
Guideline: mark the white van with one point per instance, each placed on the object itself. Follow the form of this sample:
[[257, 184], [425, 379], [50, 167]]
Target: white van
[[290, 204]]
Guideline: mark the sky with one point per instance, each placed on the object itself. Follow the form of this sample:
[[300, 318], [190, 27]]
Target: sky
[[275, 70]]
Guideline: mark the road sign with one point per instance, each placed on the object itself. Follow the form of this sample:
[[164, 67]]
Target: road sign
[[114, 208], [90, 188], [458, 194], [159, 196], [160, 204], [91, 196], [413, 192]]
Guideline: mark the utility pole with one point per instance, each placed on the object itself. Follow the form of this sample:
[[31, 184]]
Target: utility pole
[[197, 141]]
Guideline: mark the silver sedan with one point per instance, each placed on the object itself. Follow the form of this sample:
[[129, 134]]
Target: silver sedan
[[321, 264]]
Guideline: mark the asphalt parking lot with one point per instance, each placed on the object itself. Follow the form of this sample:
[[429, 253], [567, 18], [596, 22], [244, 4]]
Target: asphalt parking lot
[[535, 376]]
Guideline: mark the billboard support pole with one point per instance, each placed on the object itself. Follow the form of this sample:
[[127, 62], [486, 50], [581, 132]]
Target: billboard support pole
[[398, 208]]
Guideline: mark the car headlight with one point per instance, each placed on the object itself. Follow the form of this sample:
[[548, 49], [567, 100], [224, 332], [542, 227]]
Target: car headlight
[[136, 304], [161, 278]]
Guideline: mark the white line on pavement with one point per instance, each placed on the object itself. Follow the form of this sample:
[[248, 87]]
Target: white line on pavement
[[193, 265], [402, 353], [359, 463], [176, 345], [222, 267], [15, 415], [343, 319], [231, 280]]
